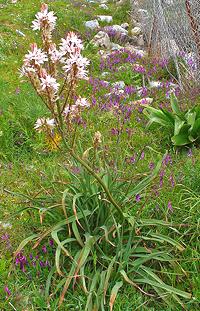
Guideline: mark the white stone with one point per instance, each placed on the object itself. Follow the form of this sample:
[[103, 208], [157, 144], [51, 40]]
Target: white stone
[[94, 24], [115, 46], [119, 85], [105, 74], [121, 2], [118, 29], [101, 40], [143, 13], [136, 31], [140, 41], [125, 26], [103, 6], [155, 84], [105, 18]]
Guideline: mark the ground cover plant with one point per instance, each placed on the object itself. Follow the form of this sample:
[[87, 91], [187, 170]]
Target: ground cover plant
[[97, 212]]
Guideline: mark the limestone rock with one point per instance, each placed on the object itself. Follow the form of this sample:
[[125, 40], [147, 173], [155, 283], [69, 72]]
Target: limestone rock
[[119, 30], [103, 6], [101, 40], [120, 85], [105, 18], [125, 26], [115, 47], [136, 31], [94, 24], [140, 41]]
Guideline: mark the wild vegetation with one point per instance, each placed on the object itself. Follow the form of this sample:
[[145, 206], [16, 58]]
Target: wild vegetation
[[99, 210]]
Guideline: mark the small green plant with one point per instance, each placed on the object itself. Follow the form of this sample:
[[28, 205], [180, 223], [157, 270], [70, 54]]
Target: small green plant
[[99, 251], [184, 126]]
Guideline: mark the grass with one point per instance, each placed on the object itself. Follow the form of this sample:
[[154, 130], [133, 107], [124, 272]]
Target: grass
[[26, 168]]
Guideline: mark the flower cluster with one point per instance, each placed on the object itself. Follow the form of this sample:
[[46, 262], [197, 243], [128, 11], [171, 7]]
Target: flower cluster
[[54, 73], [45, 21]]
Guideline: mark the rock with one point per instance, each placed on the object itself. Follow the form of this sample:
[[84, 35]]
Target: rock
[[115, 47], [120, 85], [133, 40], [140, 41], [101, 40], [94, 24], [143, 101], [136, 31], [121, 2], [105, 18], [125, 26], [119, 30], [105, 74], [143, 13], [103, 6], [138, 51], [134, 22], [155, 84]]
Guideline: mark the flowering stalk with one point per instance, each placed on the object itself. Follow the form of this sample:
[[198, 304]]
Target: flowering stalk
[[43, 67]]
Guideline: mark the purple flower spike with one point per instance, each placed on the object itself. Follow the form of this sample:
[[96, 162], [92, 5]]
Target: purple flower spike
[[189, 153], [137, 198], [169, 206], [8, 292], [51, 243], [44, 249], [171, 178], [151, 165], [21, 261]]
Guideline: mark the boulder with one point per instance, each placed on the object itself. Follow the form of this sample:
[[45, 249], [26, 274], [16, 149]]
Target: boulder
[[103, 6], [120, 85], [101, 40], [94, 24], [125, 26], [140, 41], [119, 30], [105, 18], [115, 47], [136, 31]]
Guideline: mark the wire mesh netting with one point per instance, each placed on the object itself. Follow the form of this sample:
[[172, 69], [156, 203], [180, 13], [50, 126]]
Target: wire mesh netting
[[172, 30]]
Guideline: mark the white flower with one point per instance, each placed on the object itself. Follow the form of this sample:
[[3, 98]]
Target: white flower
[[72, 110], [82, 102], [27, 71], [55, 55], [76, 66], [72, 44], [44, 19], [44, 124], [48, 82], [35, 56]]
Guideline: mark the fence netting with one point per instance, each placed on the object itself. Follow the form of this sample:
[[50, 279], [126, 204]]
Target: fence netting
[[172, 30]]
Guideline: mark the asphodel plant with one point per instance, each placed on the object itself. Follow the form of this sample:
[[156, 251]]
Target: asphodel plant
[[101, 225], [54, 72]]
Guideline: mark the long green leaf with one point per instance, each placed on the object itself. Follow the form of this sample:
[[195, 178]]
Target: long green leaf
[[114, 293], [144, 183]]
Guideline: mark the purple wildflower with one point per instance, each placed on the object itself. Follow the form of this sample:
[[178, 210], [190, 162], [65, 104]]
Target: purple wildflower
[[137, 198], [8, 292], [151, 165], [189, 154], [142, 155], [51, 243], [172, 181], [169, 206], [162, 174], [44, 249], [21, 261]]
